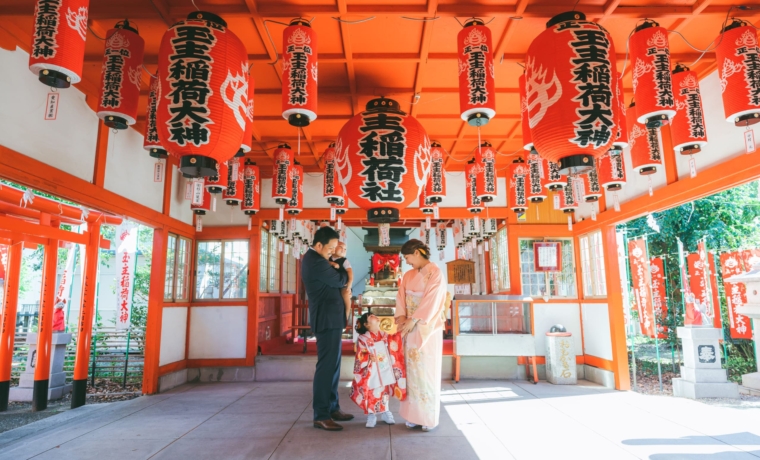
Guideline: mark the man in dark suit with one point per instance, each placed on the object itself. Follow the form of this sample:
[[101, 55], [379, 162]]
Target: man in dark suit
[[327, 319]]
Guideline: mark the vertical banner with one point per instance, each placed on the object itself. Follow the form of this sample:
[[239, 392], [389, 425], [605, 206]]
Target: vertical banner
[[639, 264], [63, 293], [126, 258], [3, 274], [736, 295], [659, 295], [706, 306]]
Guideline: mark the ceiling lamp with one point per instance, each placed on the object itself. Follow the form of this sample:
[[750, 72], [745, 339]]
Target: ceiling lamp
[[59, 32], [294, 206], [517, 173], [299, 73], [646, 154], [611, 168], [687, 129], [737, 56], [332, 189], [150, 136], [233, 194], [282, 185], [474, 205], [535, 187], [435, 188], [477, 94], [650, 62]]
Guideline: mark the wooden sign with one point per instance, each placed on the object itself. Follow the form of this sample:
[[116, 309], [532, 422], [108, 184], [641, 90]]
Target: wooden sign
[[547, 257], [460, 271]]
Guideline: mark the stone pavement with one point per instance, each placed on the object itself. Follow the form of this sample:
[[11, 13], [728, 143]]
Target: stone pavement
[[479, 419]]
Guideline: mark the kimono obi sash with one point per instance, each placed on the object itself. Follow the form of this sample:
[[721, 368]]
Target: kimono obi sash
[[382, 370], [413, 299]]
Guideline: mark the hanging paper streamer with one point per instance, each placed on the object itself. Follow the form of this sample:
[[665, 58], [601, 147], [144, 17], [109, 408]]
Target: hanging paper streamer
[[427, 222], [340, 222], [250, 219], [749, 141], [384, 234], [570, 223], [332, 214], [692, 167], [616, 202], [198, 223], [651, 192], [197, 197], [282, 213], [436, 212]]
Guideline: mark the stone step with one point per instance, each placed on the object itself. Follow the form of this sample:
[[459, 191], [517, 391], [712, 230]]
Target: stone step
[[685, 389]]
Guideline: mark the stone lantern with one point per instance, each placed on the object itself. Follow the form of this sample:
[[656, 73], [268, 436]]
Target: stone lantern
[[751, 309]]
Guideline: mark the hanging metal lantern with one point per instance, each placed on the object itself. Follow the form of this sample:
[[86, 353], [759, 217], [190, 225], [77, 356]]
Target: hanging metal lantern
[[217, 183], [247, 143], [333, 190], [233, 194], [282, 185], [435, 188], [646, 153], [568, 201], [299, 73], [737, 55], [650, 62], [294, 206], [383, 159], [611, 169], [518, 172], [535, 188], [477, 93], [251, 203], [485, 158], [150, 137], [554, 181], [524, 120], [121, 78], [203, 73], [592, 190], [474, 205], [621, 123], [569, 77], [59, 32], [687, 129]]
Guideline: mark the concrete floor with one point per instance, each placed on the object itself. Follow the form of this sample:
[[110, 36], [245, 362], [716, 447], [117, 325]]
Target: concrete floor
[[479, 419]]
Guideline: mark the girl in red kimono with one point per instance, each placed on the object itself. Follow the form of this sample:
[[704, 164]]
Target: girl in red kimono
[[379, 370]]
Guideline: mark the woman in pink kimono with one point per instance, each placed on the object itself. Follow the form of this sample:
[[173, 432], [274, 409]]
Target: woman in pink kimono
[[421, 318]]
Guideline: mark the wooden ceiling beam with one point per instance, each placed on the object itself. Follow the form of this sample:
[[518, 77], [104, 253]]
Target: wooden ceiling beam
[[345, 39], [427, 32]]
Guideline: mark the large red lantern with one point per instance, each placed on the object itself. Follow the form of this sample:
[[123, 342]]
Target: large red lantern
[[246, 144], [474, 205], [570, 85], [435, 188], [687, 129], [295, 205], [737, 56], [121, 77], [485, 158], [150, 137], [282, 187], [535, 183], [554, 181], [299, 73], [592, 190], [58, 36], [233, 194], [650, 62], [524, 120], [611, 169], [477, 94], [646, 153], [251, 203], [203, 73], [568, 196], [621, 124], [518, 173], [383, 159], [332, 190], [217, 183]]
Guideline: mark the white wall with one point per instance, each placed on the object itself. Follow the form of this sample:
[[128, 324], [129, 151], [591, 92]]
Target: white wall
[[129, 170], [218, 332], [596, 330], [173, 334], [546, 315], [67, 143], [180, 208]]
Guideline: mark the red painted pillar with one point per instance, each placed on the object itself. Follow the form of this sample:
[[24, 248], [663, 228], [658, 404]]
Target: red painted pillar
[[84, 329], [45, 328], [155, 311], [616, 313], [7, 335]]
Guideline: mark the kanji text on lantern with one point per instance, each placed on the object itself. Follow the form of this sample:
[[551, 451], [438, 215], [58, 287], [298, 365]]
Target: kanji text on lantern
[[384, 146]]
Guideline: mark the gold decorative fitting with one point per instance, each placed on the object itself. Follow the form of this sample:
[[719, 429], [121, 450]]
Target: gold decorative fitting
[[585, 160], [199, 16], [736, 119], [577, 16], [45, 72], [193, 160], [382, 103]]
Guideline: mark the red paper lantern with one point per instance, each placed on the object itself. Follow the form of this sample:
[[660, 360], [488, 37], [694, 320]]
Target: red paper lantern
[[592, 190], [247, 143], [233, 194], [646, 153], [518, 173], [485, 158], [332, 190], [251, 203], [295, 205], [282, 186], [150, 138], [687, 129], [58, 35], [435, 188], [524, 120], [535, 188], [383, 159], [217, 183], [611, 168], [203, 73], [474, 205], [477, 94], [568, 201], [203, 208], [554, 181], [621, 123], [341, 206], [299, 73], [737, 55], [570, 85], [121, 78], [426, 205], [650, 61]]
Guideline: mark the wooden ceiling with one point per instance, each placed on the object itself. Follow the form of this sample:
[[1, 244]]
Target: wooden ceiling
[[393, 48]]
